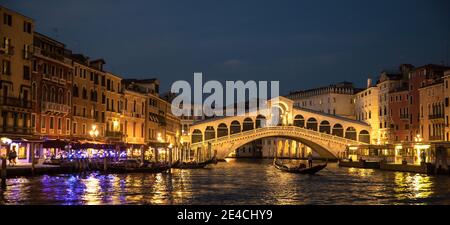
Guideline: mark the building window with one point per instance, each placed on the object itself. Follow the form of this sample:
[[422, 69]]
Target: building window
[[51, 122], [33, 121], [26, 72], [68, 125], [6, 67], [84, 129], [446, 102], [27, 27], [74, 128], [43, 122], [7, 19], [59, 123]]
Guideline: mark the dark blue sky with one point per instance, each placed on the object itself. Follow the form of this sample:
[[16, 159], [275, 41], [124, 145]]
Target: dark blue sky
[[303, 44]]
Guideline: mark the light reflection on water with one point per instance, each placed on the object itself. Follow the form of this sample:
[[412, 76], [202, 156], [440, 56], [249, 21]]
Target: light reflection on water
[[235, 182]]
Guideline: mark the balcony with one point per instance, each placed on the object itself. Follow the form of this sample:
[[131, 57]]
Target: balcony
[[113, 134], [436, 118], [55, 108], [437, 138], [404, 116], [48, 54], [16, 130], [7, 50], [15, 102]]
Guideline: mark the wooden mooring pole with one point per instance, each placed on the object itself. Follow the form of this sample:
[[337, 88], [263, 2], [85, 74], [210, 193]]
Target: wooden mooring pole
[[3, 172]]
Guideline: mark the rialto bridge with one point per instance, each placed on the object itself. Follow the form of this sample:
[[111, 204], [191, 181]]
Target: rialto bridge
[[326, 134]]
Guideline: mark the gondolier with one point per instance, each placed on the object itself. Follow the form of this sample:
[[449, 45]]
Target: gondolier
[[310, 160]]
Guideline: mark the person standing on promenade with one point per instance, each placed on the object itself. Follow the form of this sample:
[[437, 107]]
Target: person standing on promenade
[[12, 156]]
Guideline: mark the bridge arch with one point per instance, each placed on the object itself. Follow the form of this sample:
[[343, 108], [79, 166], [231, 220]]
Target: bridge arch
[[222, 130], [235, 127], [197, 136], [312, 124], [319, 149]]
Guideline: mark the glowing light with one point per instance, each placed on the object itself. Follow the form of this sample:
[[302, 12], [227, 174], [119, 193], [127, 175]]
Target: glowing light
[[159, 138], [94, 132], [115, 124], [6, 140]]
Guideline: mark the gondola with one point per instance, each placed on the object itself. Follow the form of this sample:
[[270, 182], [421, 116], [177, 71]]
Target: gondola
[[139, 169], [194, 165], [299, 169], [158, 169]]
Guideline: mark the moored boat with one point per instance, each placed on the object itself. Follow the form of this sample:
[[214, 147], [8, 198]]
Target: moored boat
[[302, 169], [194, 165]]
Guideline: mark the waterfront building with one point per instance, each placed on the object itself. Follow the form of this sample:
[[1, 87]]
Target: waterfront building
[[114, 119], [388, 83], [421, 77], [399, 114], [366, 109], [336, 99], [51, 89], [134, 118], [16, 37], [432, 111], [447, 104], [160, 129], [89, 105]]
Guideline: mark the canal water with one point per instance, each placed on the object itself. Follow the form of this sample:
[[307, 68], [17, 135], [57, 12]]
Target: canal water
[[234, 182]]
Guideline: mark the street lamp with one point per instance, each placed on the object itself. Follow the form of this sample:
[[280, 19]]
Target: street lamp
[[93, 132], [418, 138], [159, 138]]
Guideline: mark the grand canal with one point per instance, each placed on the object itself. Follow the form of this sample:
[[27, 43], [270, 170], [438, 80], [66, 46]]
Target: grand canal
[[235, 182]]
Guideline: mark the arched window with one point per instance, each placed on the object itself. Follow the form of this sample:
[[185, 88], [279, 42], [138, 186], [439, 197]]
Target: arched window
[[338, 130], [210, 133], [350, 133], [222, 130], [197, 136], [299, 121], [311, 124], [248, 124], [260, 121], [364, 136], [325, 127], [235, 127]]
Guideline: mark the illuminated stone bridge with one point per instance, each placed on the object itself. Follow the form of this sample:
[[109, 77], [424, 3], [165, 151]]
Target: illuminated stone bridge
[[326, 134]]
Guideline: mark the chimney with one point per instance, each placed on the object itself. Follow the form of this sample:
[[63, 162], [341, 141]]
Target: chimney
[[369, 82]]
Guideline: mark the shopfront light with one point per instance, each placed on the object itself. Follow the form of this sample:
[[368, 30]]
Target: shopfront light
[[6, 140]]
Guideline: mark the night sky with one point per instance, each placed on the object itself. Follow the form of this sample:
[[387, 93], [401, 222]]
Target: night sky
[[304, 44]]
